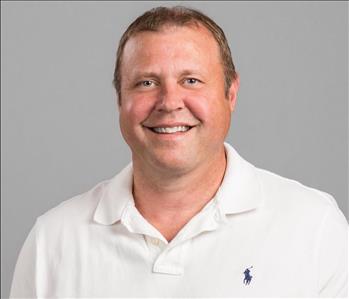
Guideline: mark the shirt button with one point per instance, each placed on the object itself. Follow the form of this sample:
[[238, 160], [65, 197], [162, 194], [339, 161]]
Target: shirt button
[[217, 217], [155, 242]]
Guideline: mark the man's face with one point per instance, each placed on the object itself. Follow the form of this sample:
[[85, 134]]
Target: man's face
[[174, 114]]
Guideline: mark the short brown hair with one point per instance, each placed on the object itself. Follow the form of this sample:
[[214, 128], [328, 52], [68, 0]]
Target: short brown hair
[[156, 18]]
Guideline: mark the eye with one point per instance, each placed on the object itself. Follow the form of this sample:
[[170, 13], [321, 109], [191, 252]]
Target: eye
[[146, 83], [191, 81]]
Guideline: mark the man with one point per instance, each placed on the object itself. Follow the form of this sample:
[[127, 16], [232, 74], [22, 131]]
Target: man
[[188, 217]]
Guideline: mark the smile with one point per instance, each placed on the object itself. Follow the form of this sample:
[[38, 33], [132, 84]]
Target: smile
[[170, 130]]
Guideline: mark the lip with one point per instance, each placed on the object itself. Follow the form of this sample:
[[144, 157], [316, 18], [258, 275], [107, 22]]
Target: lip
[[169, 136], [168, 125]]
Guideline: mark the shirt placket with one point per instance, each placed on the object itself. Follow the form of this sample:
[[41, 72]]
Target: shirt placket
[[167, 258]]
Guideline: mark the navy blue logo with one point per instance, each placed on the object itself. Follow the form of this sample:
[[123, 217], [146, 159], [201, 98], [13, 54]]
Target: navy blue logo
[[248, 277]]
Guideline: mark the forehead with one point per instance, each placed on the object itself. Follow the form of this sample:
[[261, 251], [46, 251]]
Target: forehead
[[194, 42]]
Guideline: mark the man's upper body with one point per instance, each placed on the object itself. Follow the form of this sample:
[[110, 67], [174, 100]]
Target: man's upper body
[[290, 238], [189, 217]]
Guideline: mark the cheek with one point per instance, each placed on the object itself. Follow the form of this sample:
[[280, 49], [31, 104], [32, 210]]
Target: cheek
[[135, 110], [207, 108], [212, 111], [199, 108]]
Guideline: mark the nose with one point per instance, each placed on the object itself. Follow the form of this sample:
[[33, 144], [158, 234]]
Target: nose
[[170, 98]]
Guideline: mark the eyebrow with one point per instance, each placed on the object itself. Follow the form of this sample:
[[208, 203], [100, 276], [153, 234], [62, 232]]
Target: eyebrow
[[156, 75], [145, 74]]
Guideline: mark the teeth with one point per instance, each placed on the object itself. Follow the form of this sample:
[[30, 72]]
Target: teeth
[[170, 130]]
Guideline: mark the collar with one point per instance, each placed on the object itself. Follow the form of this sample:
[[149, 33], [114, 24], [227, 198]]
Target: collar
[[116, 196], [240, 190]]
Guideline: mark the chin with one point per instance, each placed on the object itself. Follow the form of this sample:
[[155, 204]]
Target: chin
[[173, 164]]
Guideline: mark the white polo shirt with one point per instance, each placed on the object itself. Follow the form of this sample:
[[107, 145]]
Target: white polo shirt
[[260, 236]]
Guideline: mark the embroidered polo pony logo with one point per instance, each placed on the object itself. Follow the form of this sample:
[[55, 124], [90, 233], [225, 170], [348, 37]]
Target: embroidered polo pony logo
[[248, 277]]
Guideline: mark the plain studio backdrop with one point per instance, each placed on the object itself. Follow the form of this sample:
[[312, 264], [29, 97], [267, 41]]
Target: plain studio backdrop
[[59, 117]]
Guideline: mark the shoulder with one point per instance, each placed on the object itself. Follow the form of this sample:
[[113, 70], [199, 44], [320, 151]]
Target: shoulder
[[291, 198], [75, 211], [76, 216], [311, 225]]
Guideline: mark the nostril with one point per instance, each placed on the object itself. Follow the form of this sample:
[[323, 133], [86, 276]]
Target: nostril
[[170, 103], [168, 109]]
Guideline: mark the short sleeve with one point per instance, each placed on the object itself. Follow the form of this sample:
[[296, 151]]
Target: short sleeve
[[24, 278], [333, 254]]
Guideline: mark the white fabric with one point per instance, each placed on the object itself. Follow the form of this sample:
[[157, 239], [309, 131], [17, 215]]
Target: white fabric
[[98, 245]]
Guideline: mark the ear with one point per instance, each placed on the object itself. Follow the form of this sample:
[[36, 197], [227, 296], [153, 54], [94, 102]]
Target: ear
[[233, 92], [118, 100]]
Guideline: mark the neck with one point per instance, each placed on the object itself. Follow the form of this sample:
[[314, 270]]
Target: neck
[[169, 202]]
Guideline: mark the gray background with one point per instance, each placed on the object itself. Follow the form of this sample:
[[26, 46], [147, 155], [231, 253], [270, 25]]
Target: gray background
[[60, 132]]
